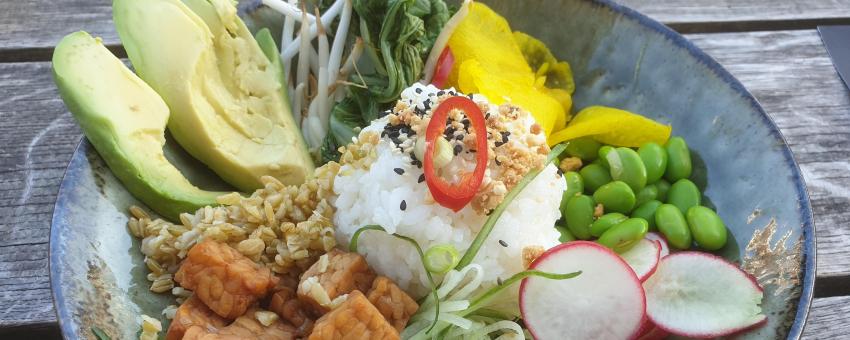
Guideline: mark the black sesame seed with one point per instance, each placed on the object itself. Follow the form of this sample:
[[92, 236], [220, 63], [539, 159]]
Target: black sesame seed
[[427, 104], [470, 96], [503, 243], [505, 135], [459, 137], [560, 172], [498, 163], [399, 171], [458, 149], [418, 90], [441, 92], [403, 205], [421, 178]]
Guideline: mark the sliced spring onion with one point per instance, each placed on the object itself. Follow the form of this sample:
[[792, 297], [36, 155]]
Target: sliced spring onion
[[485, 297], [494, 216], [440, 259], [352, 247]]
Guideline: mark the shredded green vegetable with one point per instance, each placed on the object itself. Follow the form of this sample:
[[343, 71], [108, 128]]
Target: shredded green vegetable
[[100, 334], [352, 247], [440, 259], [494, 216]]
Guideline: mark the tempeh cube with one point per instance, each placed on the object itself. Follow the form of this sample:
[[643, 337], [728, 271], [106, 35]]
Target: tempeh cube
[[225, 280], [393, 303], [335, 273], [244, 327], [193, 312], [285, 303], [356, 318]]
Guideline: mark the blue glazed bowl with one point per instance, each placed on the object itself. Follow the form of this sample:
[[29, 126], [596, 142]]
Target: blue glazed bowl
[[620, 58]]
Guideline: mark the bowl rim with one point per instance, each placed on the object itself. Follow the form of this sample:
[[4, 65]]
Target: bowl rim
[[808, 227]]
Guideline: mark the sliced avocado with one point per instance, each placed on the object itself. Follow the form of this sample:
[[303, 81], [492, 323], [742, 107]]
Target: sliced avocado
[[227, 104], [125, 121]]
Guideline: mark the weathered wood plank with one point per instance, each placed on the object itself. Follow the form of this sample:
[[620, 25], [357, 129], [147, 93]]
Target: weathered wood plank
[[695, 16], [828, 319], [806, 98], [37, 138], [793, 78], [31, 28]]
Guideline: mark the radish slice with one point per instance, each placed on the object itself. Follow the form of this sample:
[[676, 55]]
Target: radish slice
[[444, 67], [643, 258], [605, 302], [649, 331], [653, 236], [700, 295]]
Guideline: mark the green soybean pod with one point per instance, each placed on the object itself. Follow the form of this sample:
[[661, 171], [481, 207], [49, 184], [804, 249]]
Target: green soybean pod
[[663, 187], [603, 154], [575, 186], [625, 165], [624, 235], [684, 194], [579, 216], [678, 159], [585, 148], [595, 176], [672, 224], [616, 196], [654, 158], [648, 193], [647, 211], [605, 222], [566, 235], [707, 228]]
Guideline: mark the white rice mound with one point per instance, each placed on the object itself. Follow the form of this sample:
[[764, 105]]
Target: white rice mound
[[374, 196]]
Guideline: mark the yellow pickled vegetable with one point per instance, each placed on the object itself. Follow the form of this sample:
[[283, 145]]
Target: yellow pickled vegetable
[[558, 74], [613, 126], [488, 61]]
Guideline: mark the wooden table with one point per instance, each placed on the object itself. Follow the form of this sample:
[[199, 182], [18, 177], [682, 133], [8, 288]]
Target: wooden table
[[770, 45]]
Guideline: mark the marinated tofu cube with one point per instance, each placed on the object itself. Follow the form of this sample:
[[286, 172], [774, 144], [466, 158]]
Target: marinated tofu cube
[[393, 303], [193, 312], [334, 274], [285, 303], [224, 279], [244, 327], [355, 318]]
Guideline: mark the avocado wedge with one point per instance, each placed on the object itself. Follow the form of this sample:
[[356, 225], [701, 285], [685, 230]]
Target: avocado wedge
[[227, 105], [125, 121]]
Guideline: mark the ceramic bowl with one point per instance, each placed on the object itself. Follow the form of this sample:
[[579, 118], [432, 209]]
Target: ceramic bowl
[[620, 58]]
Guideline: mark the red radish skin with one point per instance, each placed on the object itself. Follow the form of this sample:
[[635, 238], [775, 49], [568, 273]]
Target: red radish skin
[[652, 332], [643, 258], [700, 263], [444, 68], [605, 302], [653, 236]]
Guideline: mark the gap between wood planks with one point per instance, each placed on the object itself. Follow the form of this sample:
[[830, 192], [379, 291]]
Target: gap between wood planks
[[34, 54]]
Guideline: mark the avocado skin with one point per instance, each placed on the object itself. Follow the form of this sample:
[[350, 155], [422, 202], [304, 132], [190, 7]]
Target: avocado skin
[[167, 192]]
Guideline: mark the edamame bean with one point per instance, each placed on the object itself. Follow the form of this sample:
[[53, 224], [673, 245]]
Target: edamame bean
[[684, 195], [648, 193], [615, 197], [707, 228], [678, 159], [672, 224], [575, 186], [654, 158], [605, 222], [625, 165], [566, 235], [585, 148], [663, 187], [603, 154], [624, 235], [647, 211], [579, 216], [594, 176]]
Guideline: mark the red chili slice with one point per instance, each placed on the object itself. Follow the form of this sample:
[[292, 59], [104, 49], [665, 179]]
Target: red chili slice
[[444, 66], [458, 195]]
